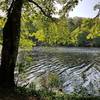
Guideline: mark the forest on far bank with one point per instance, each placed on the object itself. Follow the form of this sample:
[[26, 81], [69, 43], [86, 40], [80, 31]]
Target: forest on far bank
[[39, 30]]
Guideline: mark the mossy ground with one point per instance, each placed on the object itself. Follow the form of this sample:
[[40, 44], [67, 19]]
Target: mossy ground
[[17, 94], [29, 94]]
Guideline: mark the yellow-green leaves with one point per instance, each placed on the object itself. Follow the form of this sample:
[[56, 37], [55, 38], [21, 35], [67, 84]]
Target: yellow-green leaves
[[39, 35]]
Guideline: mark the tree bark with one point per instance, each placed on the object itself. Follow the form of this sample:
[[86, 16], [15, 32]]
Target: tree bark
[[11, 37]]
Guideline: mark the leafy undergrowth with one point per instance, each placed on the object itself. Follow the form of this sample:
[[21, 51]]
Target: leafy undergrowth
[[18, 94], [62, 96], [29, 94], [17, 97]]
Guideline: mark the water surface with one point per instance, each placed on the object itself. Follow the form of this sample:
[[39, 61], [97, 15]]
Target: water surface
[[78, 68]]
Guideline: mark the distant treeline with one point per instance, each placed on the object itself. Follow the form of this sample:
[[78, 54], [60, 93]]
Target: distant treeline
[[69, 32], [40, 30]]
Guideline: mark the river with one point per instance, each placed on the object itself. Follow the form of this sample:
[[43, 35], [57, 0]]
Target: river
[[78, 68]]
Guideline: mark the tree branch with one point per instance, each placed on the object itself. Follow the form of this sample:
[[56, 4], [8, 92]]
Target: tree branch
[[48, 15]]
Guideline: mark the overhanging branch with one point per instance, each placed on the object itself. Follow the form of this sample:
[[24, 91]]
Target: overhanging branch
[[48, 15]]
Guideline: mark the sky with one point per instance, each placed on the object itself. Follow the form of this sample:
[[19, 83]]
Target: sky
[[84, 9], [2, 14]]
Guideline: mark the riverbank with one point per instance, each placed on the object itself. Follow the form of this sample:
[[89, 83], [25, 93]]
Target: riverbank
[[29, 94], [18, 93]]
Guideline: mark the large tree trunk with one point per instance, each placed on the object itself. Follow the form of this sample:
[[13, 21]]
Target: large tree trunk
[[11, 35]]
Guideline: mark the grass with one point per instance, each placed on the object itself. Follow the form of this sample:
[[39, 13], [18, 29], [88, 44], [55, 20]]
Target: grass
[[21, 93], [18, 93]]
